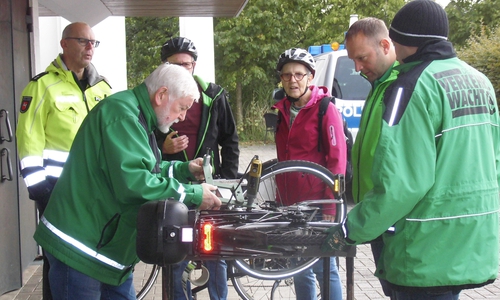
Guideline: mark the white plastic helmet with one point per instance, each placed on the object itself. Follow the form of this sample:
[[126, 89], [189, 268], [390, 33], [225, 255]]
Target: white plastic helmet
[[297, 55]]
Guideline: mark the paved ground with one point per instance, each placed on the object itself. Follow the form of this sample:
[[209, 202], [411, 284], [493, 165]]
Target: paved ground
[[366, 286]]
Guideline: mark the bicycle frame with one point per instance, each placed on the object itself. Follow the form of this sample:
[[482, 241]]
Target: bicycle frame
[[238, 229]]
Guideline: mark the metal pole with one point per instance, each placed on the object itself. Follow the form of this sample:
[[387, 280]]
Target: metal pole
[[325, 293], [167, 283], [350, 277]]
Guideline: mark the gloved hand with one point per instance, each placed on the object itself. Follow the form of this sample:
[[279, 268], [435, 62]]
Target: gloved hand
[[40, 192], [335, 241]]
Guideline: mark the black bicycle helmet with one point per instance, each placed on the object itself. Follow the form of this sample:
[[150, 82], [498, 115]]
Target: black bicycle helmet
[[297, 55], [178, 45]]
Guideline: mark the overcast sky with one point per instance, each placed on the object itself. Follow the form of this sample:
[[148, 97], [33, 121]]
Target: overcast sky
[[443, 2]]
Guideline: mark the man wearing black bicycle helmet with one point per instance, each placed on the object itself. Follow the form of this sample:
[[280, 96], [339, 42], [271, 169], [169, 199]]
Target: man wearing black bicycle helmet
[[178, 45], [297, 137], [209, 124]]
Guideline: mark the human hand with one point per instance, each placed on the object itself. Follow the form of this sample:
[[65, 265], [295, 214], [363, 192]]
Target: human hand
[[210, 200], [173, 144], [335, 241], [196, 168], [329, 218]]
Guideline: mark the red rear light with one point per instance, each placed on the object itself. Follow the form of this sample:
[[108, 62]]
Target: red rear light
[[207, 238]]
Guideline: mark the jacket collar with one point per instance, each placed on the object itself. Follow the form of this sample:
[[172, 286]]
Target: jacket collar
[[142, 95], [432, 50], [93, 76], [386, 75], [317, 93]]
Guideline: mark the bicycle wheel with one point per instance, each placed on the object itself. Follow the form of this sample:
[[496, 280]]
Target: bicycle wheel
[[149, 283], [272, 278], [196, 273], [297, 181], [250, 288]]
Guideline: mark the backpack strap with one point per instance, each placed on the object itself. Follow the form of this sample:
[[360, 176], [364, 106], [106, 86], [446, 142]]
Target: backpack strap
[[323, 106]]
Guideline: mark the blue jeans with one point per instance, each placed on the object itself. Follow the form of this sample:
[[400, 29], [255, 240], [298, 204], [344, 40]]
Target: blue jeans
[[68, 284], [217, 282], [425, 296], [305, 282]]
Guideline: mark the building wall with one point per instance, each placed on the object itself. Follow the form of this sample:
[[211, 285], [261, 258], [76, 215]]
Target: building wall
[[17, 217], [109, 58], [200, 31]]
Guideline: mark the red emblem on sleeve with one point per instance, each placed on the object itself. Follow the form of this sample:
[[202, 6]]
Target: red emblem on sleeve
[[25, 104]]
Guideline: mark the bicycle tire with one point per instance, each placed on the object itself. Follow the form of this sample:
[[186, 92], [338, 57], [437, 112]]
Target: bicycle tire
[[266, 194], [273, 168], [153, 276], [252, 281], [149, 283], [250, 288]]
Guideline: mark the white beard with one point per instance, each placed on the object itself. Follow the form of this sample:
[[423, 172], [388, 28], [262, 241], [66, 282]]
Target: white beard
[[162, 116], [165, 128]]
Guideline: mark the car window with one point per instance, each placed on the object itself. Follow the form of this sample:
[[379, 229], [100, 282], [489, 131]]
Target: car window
[[348, 84]]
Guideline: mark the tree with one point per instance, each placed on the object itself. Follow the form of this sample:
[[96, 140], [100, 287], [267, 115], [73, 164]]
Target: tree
[[483, 54], [471, 17], [384, 10], [247, 47], [145, 36]]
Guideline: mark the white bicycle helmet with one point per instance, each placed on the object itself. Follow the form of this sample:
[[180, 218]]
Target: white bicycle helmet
[[297, 55]]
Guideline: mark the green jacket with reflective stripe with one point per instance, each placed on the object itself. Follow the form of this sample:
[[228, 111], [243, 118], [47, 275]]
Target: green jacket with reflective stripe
[[436, 175], [90, 221], [366, 141]]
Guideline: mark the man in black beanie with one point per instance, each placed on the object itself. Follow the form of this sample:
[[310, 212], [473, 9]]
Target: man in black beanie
[[436, 170]]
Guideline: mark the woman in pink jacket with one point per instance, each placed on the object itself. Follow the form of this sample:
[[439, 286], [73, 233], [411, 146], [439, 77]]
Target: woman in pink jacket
[[297, 139], [297, 131]]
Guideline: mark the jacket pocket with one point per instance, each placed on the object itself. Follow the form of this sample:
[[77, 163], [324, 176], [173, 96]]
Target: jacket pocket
[[109, 230], [70, 110]]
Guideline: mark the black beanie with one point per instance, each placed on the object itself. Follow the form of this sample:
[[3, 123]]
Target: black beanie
[[419, 21]]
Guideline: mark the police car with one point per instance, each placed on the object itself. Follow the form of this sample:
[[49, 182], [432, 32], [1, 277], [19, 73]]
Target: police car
[[336, 71]]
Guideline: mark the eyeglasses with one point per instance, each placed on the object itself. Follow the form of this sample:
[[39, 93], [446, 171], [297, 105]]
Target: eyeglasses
[[84, 42], [187, 65], [288, 76]]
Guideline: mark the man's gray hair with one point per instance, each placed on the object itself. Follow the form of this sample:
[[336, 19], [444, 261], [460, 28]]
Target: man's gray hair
[[179, 82]]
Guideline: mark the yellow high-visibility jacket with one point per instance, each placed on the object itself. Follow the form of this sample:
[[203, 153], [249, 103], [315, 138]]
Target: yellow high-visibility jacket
[[52, 108]]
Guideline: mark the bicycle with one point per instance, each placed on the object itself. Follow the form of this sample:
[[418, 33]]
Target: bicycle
[[272, 234]]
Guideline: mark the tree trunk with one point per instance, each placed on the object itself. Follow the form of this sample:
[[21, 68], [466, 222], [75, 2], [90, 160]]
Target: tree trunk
[[239, 104]]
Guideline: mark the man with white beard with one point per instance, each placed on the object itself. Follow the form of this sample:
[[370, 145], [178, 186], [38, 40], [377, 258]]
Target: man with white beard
[[89, 226]]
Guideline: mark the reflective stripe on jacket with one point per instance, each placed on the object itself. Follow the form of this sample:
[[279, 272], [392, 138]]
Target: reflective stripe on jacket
[[111, 171], [53, 109], [436, 176]]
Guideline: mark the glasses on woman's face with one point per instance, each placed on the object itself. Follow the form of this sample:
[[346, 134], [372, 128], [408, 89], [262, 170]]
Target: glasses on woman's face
[[288, 76]]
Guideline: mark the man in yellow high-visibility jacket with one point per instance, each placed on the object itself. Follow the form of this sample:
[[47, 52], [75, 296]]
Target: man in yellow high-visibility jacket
[[53, 106]]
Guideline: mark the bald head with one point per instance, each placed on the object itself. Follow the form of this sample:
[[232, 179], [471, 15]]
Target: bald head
[[78, 43]]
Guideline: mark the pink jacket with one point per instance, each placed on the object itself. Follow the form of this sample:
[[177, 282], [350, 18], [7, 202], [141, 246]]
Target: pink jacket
[[300, 142]]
